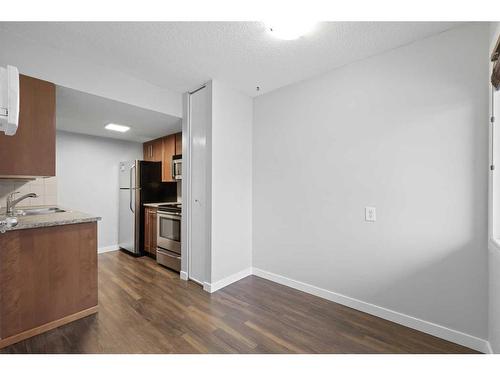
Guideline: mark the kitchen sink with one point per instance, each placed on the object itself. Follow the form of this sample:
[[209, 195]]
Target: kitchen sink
[[38, 211]]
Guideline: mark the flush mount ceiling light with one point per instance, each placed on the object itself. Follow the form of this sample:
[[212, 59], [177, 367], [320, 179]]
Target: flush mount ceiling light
[[117, 128], [289, 30]]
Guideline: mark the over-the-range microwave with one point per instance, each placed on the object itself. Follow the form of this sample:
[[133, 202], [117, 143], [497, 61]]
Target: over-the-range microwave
[[177, 167]]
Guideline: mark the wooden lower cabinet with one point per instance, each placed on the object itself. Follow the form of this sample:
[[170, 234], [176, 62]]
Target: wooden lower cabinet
[[150, 230], [48, 277]]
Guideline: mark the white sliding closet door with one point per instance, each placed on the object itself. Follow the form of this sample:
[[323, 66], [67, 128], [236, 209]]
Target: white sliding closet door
[[200, 122]]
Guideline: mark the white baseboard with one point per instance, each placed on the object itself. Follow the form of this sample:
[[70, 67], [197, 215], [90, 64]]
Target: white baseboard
[[212, 287], [396, 317], [489, 349], [105, 249], [183, 275], [207, 287]]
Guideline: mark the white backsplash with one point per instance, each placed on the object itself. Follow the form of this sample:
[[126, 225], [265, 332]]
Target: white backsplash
[[46, 188]]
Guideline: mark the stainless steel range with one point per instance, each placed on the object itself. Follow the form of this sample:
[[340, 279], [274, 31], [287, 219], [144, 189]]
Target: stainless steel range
[[168, 251]]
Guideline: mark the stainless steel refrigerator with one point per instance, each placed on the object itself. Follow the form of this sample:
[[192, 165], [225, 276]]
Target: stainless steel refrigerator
[[140, 182]]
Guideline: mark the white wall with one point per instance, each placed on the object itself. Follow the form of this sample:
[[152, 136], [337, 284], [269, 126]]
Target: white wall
[[405, 131], [87, 174], [47, 63], [231, 147], [494, 250]]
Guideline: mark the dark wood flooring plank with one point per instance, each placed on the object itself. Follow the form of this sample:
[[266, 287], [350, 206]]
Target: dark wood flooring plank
[[146, 308]]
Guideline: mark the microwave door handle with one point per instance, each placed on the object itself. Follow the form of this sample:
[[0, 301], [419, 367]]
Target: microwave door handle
[[172, 167]]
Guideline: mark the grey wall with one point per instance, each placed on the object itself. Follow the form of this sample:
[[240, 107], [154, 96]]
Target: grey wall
[[87, 176], [494, 251], [405, 131], [231, 224]]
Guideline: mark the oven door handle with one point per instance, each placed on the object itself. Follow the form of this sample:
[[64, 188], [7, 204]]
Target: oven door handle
[[171, 217]]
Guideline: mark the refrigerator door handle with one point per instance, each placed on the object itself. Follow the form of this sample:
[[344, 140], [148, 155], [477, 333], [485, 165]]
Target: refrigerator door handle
[[131, 189]]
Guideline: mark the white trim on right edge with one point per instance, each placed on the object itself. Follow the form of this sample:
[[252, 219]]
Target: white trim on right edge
[[396, 317]]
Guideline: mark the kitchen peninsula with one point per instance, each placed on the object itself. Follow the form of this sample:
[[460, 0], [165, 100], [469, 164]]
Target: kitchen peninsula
[[48, 273]]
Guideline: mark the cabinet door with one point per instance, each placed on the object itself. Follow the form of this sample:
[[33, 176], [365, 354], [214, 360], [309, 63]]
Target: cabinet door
[[153, 150], [148, 151], [46, 274], [157, 150], [147, 231], [178, 143], [152, 221], [32, 150], [168, 153]]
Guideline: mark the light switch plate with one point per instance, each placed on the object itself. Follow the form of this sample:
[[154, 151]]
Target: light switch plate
[[370, 214]]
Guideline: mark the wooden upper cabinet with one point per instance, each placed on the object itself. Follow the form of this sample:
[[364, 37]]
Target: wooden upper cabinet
[[148, 151], [157, 150], [153, 150], [163, 149], [31, 152], [168, 153], [178, 143]]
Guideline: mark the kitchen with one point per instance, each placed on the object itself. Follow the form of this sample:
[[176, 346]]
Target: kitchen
[[147, 208], [134, 205]]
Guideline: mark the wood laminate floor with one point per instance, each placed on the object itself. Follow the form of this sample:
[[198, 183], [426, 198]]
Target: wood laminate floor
[[145, 308]]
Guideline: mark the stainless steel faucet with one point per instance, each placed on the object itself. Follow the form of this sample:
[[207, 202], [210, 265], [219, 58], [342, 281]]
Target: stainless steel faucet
[[11, 202]]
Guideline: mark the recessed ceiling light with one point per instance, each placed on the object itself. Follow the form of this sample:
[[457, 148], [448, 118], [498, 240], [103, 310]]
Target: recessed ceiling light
[[117, 128], [289, 30]]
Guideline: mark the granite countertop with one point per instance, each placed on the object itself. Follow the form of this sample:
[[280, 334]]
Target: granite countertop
[[52, 219], [158, 204]]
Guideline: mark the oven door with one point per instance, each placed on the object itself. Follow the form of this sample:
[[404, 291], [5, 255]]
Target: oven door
[[169, 232]]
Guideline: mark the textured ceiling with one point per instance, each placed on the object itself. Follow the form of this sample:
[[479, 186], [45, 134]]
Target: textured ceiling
[[182, 55], [80, 112]]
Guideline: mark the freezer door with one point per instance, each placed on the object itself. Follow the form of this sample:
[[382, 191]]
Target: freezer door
[[149, 173]]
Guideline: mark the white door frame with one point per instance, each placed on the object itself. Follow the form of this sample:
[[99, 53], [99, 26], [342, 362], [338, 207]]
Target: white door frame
[[186, 189]]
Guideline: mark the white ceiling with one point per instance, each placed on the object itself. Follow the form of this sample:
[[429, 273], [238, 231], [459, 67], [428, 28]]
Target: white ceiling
[[182, 55], [87, 114]]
